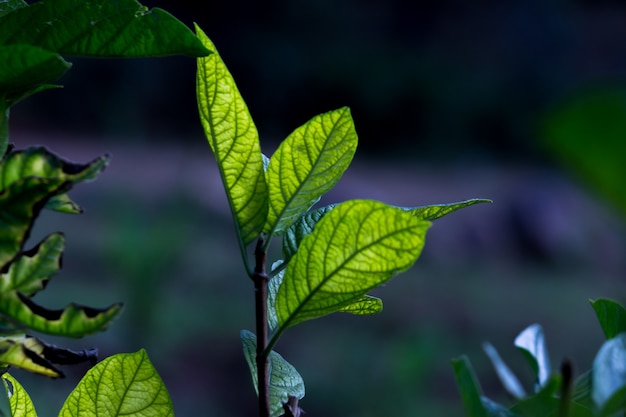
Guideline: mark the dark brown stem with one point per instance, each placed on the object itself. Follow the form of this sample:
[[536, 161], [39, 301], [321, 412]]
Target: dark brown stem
[[567, 378], [261, 279]]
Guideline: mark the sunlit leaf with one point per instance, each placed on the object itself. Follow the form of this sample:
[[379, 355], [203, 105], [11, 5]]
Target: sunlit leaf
[[436, 211], [608, 376], [235, 142], [354, 248], [122, 28], [121, 385], [285, 381], [302, 227], [532, 344], [611, 315], [506, 376], [20, 403], [308, 164], [34, 355], [364, 306], [469, 388]]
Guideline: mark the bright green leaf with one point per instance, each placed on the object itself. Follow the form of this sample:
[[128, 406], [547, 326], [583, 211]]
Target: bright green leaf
[[122, 28], [302, 227], [235, 142], [285, 381], [364, 306], [121, 385], [308, 164], [354, 248], [436, 211], [532, 344], [20, 203], [506, 376], [20, 403], [608, 376], [26, 67], [611, 315], [32, 269], [469, 388]]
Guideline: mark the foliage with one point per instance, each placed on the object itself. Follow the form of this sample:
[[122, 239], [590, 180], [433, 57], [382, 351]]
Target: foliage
[[332, 256], [33, 41], [598, 392]]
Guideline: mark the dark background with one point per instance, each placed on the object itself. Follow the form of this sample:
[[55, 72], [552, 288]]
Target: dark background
[[449, 99]]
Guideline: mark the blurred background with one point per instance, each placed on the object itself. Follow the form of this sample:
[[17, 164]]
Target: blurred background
[[522, 102]]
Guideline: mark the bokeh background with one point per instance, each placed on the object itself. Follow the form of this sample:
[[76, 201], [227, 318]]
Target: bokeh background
[[521, 102]]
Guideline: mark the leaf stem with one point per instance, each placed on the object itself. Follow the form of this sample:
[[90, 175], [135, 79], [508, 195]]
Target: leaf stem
[[261, 279]]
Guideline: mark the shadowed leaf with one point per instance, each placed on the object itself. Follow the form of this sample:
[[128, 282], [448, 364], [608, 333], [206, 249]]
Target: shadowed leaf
[[285, 381], [469, 387], [234, 141], [506, 376], [122, 28], [531, 342], [308, 164], [611, 315], [302, 227]]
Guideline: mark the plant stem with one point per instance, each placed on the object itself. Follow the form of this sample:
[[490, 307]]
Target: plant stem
[[261, 279]]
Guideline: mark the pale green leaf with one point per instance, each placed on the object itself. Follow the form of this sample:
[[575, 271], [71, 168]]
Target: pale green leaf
[[121, 385], [364, 306], [302, 227], [235, 142], [272, 290], [436, 211], [308, 164], [285, 381], [608, 376], [121, 28], [357, 246], [531, 342], [34, 355], [468, 385], [611, 315], [20, 403], [506, 376]]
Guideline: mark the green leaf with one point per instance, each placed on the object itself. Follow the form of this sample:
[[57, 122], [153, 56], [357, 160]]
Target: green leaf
[[285, 381], [506, 376], [33, 355], [364, 306], [308, 164], [39, 162], [121, 28], [531, 342], [26, 67], [20, 203], [302, 227], [20, 403], [469, 387], [121, 385], [354, 248], [608, 376], [272, 290], [32, 269], [544, 403], [611, 315], [235, 142], [436, 211]]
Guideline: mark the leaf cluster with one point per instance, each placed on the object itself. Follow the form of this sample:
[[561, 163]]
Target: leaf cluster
[[332, 255], [34, 38], [598, 392]]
